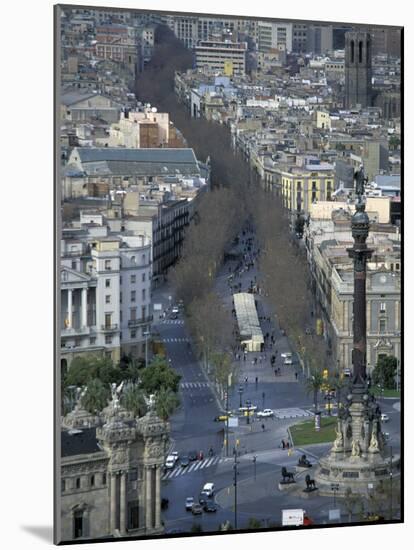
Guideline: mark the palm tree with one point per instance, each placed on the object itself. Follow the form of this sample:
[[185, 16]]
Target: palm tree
[[313, 385], [338, 383], [134, 400], [96, 397], [166, 401]]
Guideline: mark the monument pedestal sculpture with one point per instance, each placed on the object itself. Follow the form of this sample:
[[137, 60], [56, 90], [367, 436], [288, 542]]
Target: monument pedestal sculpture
[[359, 459]]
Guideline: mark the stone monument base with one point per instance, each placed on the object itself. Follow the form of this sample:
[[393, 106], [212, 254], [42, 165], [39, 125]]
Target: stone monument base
[[358, 473]]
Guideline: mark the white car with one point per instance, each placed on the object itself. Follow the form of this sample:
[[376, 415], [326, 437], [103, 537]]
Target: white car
[[266, 413], [385, 418], [170, 462], [288, 361], [248, 408], [286, 355]]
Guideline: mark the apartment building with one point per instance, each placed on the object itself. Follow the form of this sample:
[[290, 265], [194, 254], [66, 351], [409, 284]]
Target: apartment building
[[224, 57], [105, 291]]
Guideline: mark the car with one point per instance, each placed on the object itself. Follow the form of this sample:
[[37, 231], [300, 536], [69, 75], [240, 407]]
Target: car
[[385, 418], [288, 361], [266, 413], [208, 488], [210, 506], [189, 501], [248, 408], [185, 461], [170, 462], [222, 417], [347, 372], [175, 309], [175, 455], [164, 503], [196, 509], [203, 498], [286, 355], [192, 455], [386, 435]]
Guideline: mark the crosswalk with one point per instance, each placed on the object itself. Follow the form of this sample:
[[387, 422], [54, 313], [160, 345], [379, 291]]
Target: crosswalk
[[292, 412], [175, 340], [193, 385], [172, 322], [193, 467]]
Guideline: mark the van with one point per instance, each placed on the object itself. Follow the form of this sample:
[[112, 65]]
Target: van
[[208, 489]]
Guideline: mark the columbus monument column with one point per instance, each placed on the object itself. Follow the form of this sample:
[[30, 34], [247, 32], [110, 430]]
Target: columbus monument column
[[359, 458]]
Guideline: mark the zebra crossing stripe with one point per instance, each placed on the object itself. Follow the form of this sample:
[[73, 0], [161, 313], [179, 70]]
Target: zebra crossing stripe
[[207, 464], [191, 467], [198, 466]]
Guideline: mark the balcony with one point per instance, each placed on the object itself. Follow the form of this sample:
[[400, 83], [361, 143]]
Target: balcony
[[78, 331], [109, 328], [140, 321]]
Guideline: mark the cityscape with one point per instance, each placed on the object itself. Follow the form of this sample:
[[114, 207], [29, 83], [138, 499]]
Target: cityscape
[[230, 351]]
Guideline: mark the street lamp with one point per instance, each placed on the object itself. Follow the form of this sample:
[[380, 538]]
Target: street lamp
[[240, 394], [254, 465], [334, 489], [146, 334]]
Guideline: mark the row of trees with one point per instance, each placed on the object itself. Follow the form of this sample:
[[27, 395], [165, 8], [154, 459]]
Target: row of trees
[[97, 374]]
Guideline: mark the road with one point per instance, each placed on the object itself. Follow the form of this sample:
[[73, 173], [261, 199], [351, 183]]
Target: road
[[193, 427]]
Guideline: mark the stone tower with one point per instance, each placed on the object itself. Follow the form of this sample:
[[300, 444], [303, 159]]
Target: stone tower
[[358, 69]]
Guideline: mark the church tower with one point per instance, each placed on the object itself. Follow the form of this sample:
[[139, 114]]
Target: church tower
[[358, 69]]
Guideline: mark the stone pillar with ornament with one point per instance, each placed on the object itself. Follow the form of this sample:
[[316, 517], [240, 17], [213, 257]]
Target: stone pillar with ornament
[[155, 433]]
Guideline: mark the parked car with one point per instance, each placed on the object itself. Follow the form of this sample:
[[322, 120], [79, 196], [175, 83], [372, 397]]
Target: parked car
[[196, 509], [185, 461], [189, 501], [192, 455], [266, 413], [385, 418], [286, 355], [210, 506]]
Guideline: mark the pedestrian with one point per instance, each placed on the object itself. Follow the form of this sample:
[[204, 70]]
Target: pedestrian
[[296, 375], [275, 372], [256, 380], [246, 379], [263, 427], [244, 358], [287, 444], [260, 359], [282, 444]]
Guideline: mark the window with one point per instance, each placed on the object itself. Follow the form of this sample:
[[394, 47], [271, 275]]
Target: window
[[383, 307], [133, 279], [133, 333], [120, 297], [77, 483], [133, 312], [313, 196], [74, 265], [108, 320], [108, 299], [143, 277], [133, 475], [382, 325], [92, 340], [133, 515], [92, 480], [108, 265], [120, 280], [397, 267], [133, 295], [63, 485], [143, 258], [143, 312], [120, 316], [103, 479], [107, 283], [108, 339], [78, 524], [143, 294], [133, 259]]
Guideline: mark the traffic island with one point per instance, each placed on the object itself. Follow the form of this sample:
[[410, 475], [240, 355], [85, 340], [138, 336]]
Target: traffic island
[[304, 433]]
